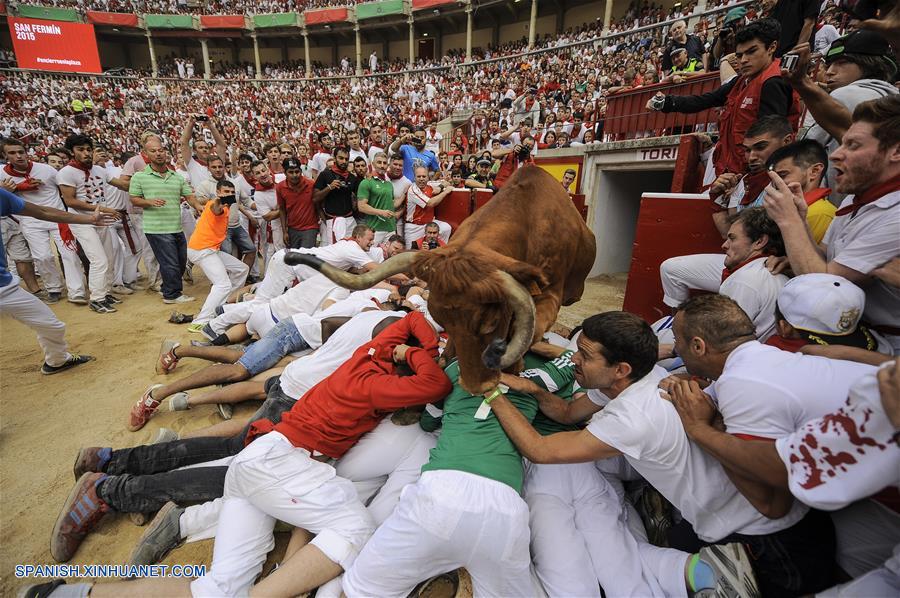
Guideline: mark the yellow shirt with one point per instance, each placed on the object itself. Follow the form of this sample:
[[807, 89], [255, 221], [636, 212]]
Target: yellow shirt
[[819, 215]]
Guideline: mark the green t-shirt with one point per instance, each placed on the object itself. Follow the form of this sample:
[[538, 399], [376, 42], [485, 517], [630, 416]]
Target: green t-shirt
[[482, 447], [380, 195], [556, 376], [149, 184]]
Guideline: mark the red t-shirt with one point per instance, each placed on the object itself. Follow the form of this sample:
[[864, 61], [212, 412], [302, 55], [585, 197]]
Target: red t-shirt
[[297, 204]]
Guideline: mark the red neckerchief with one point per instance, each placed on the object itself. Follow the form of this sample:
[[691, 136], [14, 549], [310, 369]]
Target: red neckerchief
[[344, 174], [145, 158], [250, 180], [261, 187], [726, 272], [816, 194], [791, 345], [29, 184], [754, 184], [85, 169], [199, 161], [869, 195]]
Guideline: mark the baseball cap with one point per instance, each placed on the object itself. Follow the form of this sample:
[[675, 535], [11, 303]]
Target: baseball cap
[[289, 163], [735, 14], [861, 41], [675, 51], [826, 310], [484, 162]]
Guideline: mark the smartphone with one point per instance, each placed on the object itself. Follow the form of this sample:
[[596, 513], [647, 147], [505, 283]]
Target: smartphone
[[789, 61], [201, 118]]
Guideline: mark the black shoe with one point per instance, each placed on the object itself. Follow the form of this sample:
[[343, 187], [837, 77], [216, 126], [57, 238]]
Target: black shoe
[[74, 360], [40, 590], [101, 307], [111, 300], [161, 537], [53, 297]]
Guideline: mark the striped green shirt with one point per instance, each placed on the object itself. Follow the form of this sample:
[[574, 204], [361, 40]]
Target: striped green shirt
[[171, 186]]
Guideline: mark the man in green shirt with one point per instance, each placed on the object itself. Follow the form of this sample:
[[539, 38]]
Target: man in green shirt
[[465, 510], [375, 199], [158, 190]]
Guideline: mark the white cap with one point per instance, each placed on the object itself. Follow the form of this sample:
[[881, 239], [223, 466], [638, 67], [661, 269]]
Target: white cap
[[822, 303]]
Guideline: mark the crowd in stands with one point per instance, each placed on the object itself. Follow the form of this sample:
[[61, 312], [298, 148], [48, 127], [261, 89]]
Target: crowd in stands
[[747, 445]]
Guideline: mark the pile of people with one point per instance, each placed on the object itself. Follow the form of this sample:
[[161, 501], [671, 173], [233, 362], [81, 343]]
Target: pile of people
[[743, 446]]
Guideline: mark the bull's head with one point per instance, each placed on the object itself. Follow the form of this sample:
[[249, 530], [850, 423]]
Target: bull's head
[[488, 314]]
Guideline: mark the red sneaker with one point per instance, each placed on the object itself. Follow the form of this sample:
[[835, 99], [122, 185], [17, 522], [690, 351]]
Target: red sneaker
[[167, 359], [143, 410], [81, 512]]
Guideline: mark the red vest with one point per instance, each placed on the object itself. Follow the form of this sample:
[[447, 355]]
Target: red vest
[[740, 111]]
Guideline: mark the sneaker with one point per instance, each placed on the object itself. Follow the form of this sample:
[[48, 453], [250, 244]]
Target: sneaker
[[112, 300], [188, 275], [81, 512], [167, 359], [75, 359], [179, 299], [143, 409], [161, 537], [196, 327], [90, 459], [121, 289], [40, 294], [656, 514], [40, 590], [77, 300], [101, 308], [179, 402], [226, 410], [196, 343], [164, 435], [734, 573], [53, 297]]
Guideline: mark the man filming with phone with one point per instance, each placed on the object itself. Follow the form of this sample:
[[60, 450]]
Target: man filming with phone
[[224, 271]]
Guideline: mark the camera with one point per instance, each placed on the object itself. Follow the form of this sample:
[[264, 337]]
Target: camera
[[227, 200], [201, 118], [789, 61], [524, 152], [432, 244], [658, 102]]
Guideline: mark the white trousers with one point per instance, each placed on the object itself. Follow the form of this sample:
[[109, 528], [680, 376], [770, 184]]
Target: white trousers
[[31, 311], [225, 272], [381, 236], [188, 220], [279, 277], [277, 239], [40, 237], [273, 480], [150, 264], [333, 230], [576, 515], [702, 271], [866, 533], [447, 520], [883, 581], [127, 261], [414, 232], [97, 245]]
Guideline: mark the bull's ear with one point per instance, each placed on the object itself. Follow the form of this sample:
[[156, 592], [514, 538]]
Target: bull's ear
[[530, 276]]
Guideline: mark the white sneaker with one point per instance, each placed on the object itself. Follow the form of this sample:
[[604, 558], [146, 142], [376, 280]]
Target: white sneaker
[[120, 289], [77, 300], [179, 299]]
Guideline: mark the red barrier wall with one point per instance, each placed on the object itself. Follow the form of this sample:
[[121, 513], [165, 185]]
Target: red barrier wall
[[118, 19], [666, 227], [222, 21], [328, 15]]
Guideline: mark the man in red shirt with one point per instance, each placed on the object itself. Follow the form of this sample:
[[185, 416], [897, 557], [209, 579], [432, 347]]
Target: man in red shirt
[[513, 159], [298, 214]]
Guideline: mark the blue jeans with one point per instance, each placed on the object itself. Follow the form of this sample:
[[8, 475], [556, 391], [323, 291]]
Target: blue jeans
[[170, 250], [238, 237], [281, 340]]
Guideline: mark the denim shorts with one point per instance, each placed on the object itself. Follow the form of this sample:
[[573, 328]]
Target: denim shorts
[[281, 340]]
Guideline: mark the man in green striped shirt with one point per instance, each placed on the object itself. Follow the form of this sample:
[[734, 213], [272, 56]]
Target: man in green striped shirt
[[375, 199], [158, 190]]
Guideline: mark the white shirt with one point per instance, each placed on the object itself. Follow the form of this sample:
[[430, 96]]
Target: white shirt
[[47, 194], [115, 197], [306, 297], [344, 254], [319, 162], [310, 326], [360, 153], [647, 430], [846, 455], [197, 173], [433, 142], [374, 149], [304, 373], [756, 290], [90, 188], [768, 393], [865, 242], [266, 201], [400, 186]]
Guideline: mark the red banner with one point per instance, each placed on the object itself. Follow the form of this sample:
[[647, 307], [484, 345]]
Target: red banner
[[119, 19], [420, 4], [54, 45], [222, 21], [329, 15]]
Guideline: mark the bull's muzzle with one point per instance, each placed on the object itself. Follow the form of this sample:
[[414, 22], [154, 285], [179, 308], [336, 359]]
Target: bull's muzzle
[[493, 354]]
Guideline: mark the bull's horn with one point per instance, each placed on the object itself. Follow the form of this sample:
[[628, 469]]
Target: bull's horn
[[394, 265], [523, 333]]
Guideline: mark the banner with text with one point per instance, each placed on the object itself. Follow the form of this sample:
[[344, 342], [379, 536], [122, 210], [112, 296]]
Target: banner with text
[[54, 45]]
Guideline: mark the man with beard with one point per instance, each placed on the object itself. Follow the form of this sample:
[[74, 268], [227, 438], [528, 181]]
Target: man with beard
[[375, 200], [863, 235], [412, 149], [333, 197]]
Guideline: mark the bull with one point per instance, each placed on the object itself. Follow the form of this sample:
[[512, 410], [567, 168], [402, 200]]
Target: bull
[[497, 286]]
